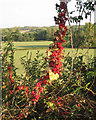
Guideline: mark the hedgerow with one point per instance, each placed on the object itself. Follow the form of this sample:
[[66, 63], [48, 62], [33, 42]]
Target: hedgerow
[[54, 86]]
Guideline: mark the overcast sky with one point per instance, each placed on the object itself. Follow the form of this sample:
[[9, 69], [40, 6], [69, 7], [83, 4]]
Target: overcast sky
[[16, 13]]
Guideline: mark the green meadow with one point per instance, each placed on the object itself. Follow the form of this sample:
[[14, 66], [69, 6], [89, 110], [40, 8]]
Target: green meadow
[[21, 49]]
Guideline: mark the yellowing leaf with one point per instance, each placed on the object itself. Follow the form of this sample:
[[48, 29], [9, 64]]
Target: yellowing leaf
[[3, 87], [53, 76]]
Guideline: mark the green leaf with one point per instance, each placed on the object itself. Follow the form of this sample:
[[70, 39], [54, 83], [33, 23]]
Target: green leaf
[[72, 12], [80, 17], [87, 85]]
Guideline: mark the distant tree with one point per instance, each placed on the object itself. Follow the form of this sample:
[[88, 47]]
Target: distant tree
[[89, 30], [31, 35], [26, 36]]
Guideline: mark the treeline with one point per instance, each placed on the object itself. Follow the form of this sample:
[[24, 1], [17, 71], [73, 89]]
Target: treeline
[[29, 33], [81, 35]]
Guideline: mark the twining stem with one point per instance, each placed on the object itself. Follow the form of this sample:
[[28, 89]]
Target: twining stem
[[88, 42]]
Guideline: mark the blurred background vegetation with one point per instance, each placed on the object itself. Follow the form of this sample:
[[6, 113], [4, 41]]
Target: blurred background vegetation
[[28, 33]]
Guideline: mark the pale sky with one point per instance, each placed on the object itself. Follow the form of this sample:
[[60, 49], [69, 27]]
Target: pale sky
[[15, 13]]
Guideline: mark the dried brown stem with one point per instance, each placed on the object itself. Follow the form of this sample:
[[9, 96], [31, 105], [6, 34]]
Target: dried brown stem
[[88, 43]]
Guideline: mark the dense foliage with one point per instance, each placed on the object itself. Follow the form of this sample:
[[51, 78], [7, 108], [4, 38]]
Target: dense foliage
[[50, 89], [71, 96]]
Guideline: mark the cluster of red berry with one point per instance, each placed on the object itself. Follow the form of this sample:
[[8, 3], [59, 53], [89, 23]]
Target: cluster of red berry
[[10, 74], [24, 88], [57, 48], [10, 77], [38, 89]]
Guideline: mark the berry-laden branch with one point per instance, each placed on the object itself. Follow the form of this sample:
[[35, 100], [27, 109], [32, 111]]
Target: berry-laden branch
[[55, 53]]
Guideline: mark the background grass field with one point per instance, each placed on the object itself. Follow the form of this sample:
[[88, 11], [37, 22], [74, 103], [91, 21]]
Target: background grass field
[[21, 49]]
